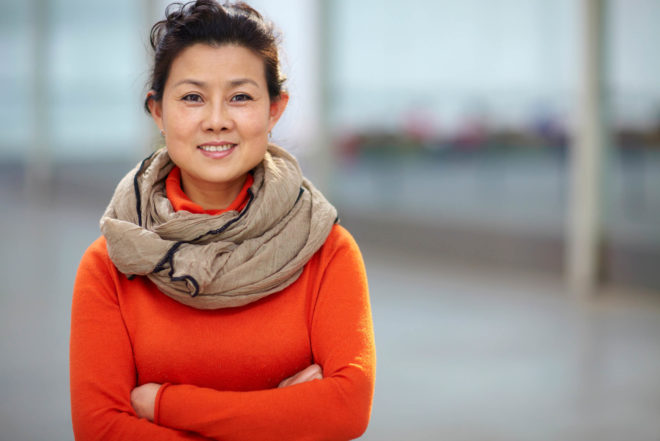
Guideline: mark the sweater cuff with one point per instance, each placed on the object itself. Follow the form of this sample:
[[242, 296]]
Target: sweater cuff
[[157, 401]]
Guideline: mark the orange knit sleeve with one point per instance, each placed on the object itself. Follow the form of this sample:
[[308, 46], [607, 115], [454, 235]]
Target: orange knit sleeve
[[102, 368], [335, 408]]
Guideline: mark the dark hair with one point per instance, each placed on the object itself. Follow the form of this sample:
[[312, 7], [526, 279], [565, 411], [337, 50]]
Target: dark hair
[[207, 21]]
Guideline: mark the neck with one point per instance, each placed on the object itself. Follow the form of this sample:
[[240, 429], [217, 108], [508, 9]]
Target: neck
[[211, 196]]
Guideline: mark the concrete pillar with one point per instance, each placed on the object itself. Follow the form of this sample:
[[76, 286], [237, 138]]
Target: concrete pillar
[[586, 157], [38, 156], [326, 158]]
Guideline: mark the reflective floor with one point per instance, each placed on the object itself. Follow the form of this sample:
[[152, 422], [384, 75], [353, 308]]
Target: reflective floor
[[464, 353], [471, 354]]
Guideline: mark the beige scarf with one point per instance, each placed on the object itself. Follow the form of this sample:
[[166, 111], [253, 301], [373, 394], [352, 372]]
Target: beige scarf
[[227, 260]]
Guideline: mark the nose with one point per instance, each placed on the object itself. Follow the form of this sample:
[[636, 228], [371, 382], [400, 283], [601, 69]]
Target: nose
[[217, 118]]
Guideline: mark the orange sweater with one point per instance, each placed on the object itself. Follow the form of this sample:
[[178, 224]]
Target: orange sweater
[[220, 369]]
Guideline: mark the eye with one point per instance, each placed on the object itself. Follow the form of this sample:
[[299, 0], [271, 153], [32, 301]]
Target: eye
[[192, 97], [241, 97]]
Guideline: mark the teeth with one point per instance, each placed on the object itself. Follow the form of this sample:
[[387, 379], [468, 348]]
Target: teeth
[[216, 148]]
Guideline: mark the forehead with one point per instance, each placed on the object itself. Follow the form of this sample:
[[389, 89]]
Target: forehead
[[208, 63]]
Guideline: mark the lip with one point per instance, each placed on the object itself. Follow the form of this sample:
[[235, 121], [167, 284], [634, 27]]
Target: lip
[[217, 143], [217, 155]]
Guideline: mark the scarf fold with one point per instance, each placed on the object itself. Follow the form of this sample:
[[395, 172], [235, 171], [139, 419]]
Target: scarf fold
[[227, 260]]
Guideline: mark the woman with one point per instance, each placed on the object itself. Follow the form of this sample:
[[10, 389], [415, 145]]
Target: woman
[[222, 300]]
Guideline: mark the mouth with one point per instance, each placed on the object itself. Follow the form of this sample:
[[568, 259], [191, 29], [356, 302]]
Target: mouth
[[216, 148]]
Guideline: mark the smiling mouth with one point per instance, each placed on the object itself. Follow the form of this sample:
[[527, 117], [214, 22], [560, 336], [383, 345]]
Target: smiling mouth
[[216, 148]]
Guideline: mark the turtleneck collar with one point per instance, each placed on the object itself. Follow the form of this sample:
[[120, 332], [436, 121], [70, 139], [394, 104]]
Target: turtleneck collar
[[180, 201]]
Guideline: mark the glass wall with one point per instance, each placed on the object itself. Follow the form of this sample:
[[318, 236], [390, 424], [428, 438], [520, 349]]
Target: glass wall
[[453, 115], [458, 116], [16, 40], [469, 101], [632, 183], [72, 78]]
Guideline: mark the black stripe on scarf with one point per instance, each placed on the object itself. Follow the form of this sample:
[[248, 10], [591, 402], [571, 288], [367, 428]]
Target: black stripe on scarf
[[169, 257]]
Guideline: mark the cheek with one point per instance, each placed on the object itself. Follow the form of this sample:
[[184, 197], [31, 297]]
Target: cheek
[[178, 122], [181, 125], [256, 122]]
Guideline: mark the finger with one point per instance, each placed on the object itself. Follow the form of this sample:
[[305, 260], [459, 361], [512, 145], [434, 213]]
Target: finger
[[306, 374], [285, 382], [143, 400], [313, 372], [310, 373]]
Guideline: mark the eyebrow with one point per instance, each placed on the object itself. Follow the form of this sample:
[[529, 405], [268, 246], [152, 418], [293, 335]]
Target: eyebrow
[[233, 83], [241, 81], [190, 81]]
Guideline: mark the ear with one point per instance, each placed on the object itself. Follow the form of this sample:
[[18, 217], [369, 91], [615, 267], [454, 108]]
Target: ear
[[156, 109], [277, 107]]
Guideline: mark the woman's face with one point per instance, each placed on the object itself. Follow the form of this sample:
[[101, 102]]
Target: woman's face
[[215, 113]]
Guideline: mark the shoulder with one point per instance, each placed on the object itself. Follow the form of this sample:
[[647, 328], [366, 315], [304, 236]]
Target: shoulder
[[97, 252], [95, 262], [340, 239], [339, 249]]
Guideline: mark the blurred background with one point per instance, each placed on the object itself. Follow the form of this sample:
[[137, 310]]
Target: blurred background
[[498, 163]]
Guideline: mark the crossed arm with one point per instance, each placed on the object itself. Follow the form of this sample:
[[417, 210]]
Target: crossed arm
[[143, 398], [108, 404]]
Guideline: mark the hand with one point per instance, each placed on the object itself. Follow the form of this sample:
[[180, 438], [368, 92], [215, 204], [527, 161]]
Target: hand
[[310, 373], [143, 400]]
